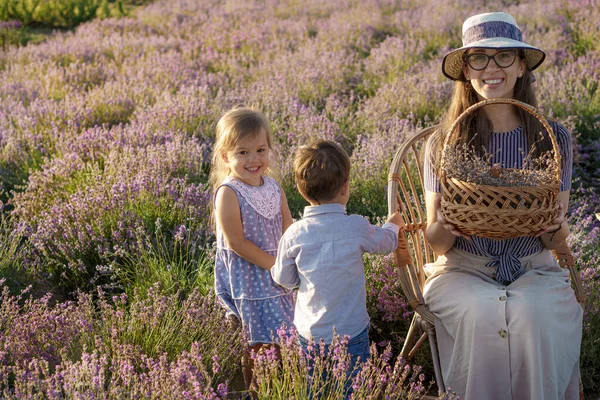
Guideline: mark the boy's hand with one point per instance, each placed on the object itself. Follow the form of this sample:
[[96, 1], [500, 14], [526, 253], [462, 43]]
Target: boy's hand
[[396, 218]]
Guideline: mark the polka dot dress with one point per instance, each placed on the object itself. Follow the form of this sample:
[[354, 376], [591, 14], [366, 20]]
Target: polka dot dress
[[245, 289]]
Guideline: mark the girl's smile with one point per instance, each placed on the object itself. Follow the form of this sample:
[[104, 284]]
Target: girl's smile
[[249, 160]]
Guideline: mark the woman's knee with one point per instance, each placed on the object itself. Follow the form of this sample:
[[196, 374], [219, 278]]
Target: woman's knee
[[537, 313], [452, 289], [478, 312]]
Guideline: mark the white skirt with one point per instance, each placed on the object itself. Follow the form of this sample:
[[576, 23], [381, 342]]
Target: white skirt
[[520, 341]]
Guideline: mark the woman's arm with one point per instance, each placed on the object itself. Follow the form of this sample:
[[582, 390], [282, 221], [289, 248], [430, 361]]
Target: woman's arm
[[558, 232], [440, 234], [286, 215], [227, 213]]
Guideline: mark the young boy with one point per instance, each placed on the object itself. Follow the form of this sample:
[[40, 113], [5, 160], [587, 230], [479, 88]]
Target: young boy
[[322, 254]]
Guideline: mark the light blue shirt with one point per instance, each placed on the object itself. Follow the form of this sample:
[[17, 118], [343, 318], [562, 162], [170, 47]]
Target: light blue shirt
[[322, 255]]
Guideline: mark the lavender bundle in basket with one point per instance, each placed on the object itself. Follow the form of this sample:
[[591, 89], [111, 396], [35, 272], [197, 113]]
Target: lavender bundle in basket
[[462, 162]]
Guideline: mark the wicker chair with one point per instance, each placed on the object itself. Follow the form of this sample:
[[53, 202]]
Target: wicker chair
[[406, 192]]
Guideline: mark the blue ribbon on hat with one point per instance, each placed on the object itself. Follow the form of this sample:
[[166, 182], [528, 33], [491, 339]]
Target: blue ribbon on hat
[[492, 29]]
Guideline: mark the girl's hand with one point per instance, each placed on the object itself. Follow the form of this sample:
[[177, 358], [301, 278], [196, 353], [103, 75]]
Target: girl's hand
[[556, 222], [447, 225]]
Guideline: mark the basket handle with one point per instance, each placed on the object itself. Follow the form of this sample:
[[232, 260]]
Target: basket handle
[[530, 109]]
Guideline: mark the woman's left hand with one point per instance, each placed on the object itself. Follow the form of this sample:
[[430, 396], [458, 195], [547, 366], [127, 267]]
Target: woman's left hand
[[556, 222]]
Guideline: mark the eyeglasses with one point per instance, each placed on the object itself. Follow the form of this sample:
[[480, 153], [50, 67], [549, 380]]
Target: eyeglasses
[[480, 61]]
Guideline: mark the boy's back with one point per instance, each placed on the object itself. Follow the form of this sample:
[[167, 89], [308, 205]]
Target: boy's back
[[322, 255]]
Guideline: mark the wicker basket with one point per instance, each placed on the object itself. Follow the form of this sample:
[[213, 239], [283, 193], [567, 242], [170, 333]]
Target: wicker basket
[[499, 212]]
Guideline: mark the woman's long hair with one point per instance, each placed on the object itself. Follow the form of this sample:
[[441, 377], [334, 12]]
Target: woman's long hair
[[476, 128]]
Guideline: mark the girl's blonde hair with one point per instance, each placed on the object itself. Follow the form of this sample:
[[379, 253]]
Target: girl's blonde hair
[[235, 125]]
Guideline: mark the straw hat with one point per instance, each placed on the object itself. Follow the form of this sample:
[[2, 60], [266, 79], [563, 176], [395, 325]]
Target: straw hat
[[496, 30]]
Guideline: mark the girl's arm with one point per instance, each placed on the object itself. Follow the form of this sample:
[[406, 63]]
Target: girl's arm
[[286, 214], [227, 213], [440, 234], [557, 233]]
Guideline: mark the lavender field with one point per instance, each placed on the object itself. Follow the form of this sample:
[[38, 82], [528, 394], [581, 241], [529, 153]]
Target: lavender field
[[105, 140]]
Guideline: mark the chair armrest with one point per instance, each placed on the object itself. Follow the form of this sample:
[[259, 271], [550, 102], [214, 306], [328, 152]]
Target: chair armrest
[[565, 260]]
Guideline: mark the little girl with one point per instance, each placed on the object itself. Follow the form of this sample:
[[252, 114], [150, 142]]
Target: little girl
[[251, 214]]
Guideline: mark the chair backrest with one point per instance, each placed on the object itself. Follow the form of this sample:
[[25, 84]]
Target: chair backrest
[[406, 192]]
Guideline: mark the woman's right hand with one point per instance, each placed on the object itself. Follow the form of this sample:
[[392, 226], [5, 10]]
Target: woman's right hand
[[447, 225]]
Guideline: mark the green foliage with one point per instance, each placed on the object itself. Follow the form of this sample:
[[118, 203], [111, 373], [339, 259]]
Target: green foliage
[[158, 323], [59, 13], [177, 262], [366, 199], [110, 113], [14, 173], [13, 248], [134, 2], [296, 202], [168, 248], [10, 34], [590, 350]]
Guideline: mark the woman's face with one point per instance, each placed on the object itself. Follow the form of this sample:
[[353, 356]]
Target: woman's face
[[498, 77]]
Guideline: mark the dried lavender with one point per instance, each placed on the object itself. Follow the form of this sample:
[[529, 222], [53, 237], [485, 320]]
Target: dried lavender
[[464, 163]]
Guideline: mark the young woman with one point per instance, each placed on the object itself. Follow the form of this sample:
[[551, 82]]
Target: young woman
[[508, 324]]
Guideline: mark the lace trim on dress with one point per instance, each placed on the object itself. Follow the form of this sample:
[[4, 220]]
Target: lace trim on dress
[[265, 199]]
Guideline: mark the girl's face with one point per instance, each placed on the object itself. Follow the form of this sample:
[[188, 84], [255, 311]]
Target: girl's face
[[497, 78], [249, 159]]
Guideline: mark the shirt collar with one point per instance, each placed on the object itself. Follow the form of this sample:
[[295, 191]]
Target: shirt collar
[[337, 208]]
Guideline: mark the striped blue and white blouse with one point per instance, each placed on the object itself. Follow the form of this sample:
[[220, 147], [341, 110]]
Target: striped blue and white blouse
[[508, 149]]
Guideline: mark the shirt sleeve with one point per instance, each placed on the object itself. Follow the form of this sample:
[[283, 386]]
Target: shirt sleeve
[[430, 178], [382, 240], [285, 271], [565, 143]]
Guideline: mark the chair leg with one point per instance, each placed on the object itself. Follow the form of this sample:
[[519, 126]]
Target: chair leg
[[413, 342], [437, 368], [411, 337]]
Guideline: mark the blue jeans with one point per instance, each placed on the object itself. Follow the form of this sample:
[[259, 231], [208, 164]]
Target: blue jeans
[[358, 346]]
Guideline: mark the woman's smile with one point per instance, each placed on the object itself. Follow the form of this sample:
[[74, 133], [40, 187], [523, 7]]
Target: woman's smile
[[494, 81]]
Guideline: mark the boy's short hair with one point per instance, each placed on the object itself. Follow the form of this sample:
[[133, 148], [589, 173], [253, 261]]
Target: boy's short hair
[[321, 169]]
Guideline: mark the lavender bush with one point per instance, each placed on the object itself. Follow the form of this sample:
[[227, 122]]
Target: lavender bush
[[389, 312], [105, 136], [292, 372], [13, 250], [154, 347], [585, 230]]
